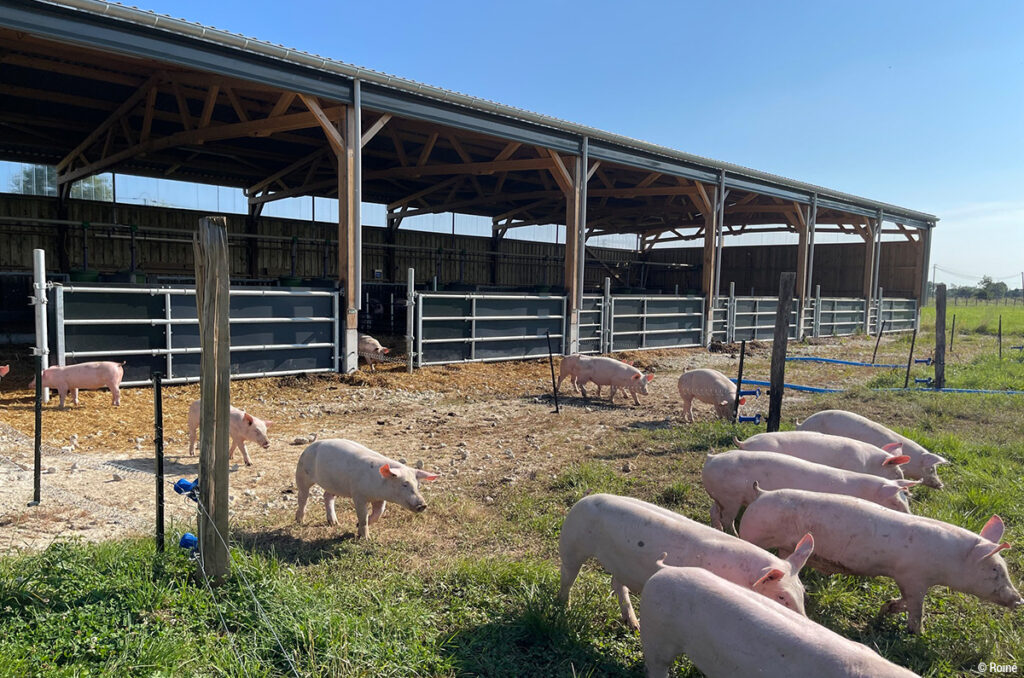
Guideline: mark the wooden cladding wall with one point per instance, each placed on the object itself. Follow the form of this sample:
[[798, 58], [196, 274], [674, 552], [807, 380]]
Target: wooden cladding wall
[[838, 268]]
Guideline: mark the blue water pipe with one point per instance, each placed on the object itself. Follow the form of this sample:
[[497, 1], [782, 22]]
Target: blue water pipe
[[189, 541], [793, 387], [812, 359], [756, 419], [1017, 348], [815, 389]]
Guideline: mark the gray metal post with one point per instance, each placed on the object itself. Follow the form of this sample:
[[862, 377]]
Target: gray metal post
[[581, 222], [168, 334], [817, 311], [39, 301], [925, 261], [59, 322], [410, 315], [812, 221], [336, 304], [719, 236], [730, 315], [876, 278], [606, 317]]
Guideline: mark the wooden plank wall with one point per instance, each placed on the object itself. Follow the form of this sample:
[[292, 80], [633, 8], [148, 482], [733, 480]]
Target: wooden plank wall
[[521, 264]]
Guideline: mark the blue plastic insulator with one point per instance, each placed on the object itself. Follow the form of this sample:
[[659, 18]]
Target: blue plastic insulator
[[756, 419], [1017, 348], [923, 361], [756, 393], [185, 486], [926, 380], [189, 541]]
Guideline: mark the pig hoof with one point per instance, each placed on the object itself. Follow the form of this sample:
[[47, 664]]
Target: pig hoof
[[248, 463]]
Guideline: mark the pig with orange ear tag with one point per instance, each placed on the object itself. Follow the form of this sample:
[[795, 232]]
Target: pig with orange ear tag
[[242, 427], [344, 468]]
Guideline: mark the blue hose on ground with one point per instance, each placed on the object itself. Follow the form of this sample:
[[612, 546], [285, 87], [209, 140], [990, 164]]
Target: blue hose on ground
[[812, 359], [815, 389]]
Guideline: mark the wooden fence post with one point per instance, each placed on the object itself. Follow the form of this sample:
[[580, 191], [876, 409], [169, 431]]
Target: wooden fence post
[[210, 245], [779, 344], [940, 336]]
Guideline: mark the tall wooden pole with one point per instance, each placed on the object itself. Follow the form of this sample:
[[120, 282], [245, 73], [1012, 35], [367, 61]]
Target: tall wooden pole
[[210, 244], [779, 345], [940, 336]]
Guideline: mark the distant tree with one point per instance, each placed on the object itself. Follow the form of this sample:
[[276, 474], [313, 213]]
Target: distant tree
[[42, 180]]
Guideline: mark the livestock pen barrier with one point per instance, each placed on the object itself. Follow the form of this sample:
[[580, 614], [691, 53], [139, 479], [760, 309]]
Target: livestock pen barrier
[[274, 332]]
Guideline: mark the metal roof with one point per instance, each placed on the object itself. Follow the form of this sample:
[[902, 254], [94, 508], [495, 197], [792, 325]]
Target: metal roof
[[139, 33]]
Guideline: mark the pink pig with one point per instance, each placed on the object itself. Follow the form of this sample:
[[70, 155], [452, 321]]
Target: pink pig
[[604, 371], [729, 478], [854, 536], [571, 366], [84, 376], [835, 451], [728, 630], [707, 386], [242, 426], [371, 351]]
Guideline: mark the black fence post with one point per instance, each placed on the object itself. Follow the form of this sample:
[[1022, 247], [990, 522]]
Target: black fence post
[[952, 331], [37, 471], [878, 341], [739, 383], [910, 358], [779, 344], [158, 442], [551, 362]]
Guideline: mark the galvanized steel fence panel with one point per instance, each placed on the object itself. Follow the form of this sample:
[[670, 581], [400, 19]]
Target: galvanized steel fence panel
[[592, 325], [839, 317], [273, 331], [648, 322], [754, 318], [898, 315], [452, 328]]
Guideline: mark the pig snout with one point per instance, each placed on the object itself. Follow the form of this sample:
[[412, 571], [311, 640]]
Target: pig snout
[[421, 508]]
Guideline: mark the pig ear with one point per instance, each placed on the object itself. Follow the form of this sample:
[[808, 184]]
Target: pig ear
[[637, 376], [907, 483], [248, 419], [997, 549], [650, 378], [268, 424], [801, 553], [386, 472], [893, 448], [896, 461], [771, 575], [425, 475], [385, 350], [932, 459], [993, 530]]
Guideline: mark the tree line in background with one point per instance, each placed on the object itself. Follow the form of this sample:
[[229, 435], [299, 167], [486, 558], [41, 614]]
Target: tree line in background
[[986, 290]]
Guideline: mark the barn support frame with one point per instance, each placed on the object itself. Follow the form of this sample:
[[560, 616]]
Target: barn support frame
[[574, 184]]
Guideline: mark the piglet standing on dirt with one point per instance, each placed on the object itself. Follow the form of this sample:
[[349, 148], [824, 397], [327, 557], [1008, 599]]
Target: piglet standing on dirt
[[604, 371], [853, 536], [626, 536], [371, 350], [728, 631], [86, 376], [922, 464], [243, 427], [835, 451], [707, 386], [344, 468], [571, 366], [729, 478]]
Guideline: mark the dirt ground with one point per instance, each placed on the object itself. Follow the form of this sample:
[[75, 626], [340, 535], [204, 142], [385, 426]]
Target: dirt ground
[[483, 427]]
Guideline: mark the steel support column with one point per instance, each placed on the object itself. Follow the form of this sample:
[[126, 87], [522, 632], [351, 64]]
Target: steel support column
[[574, 254], [707, 278], [721, 194]]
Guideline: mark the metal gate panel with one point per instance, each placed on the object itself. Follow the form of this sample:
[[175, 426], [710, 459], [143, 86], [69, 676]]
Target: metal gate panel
[[754, 318], [591, 324], [648, 322], [839, 317], [898, 315], [273, 331], [484, 327]]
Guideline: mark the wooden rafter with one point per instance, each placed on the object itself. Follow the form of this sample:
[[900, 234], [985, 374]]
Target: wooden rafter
[[475, 168], [326, 124], [284, 102], [377, 126], [183, 112], [420, 194], [559, 172], [427, 149], [236, 104], [260, 185]]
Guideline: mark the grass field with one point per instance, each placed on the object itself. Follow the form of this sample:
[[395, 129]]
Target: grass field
[[361, 609], [980, 319]]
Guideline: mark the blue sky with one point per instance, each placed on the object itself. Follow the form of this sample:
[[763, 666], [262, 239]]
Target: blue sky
[[918, 104]]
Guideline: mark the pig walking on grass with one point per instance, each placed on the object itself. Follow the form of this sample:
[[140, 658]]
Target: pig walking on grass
[[707, 386], [86, 376], [344, 468], [729, 478], [727, 631], [243, 428], [371, 351], [604, 371], [835, 451], [854, 536], [627, 535], [922, 465]]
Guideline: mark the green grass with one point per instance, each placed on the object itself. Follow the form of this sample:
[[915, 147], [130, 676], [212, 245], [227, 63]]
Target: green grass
[[977, 319], [360, 609], [985, 371]]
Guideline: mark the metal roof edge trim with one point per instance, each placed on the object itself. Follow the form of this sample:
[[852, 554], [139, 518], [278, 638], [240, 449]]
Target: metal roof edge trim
[[227, 39]]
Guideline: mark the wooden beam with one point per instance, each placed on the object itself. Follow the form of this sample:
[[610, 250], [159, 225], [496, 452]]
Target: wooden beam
[[594, 166], [649, 179], [332, 133], [260, 185], [517, 210], [419, 194], [183, 112], [427, 149], [507, 152], [236, 104], [128, 104], [208, 105], [476, 168], [147, 116], [559, 172], [284, 102], [377, 126]]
